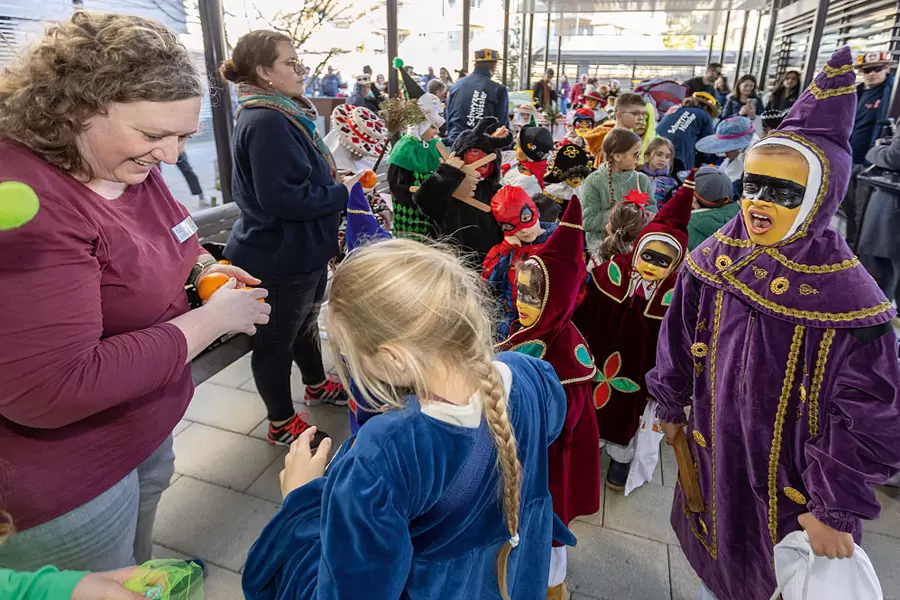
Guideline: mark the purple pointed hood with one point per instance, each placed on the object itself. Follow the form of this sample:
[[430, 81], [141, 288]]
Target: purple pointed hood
[[811, 277], [361, 224]]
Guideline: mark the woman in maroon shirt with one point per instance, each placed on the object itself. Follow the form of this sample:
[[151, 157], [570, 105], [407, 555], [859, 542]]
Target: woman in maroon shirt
[[97, 337]]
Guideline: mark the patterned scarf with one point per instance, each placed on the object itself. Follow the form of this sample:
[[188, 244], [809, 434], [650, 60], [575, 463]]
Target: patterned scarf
[[300, 111]]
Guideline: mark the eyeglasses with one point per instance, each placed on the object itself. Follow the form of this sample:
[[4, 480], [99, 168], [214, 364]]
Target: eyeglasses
[[634, 113], [295, 64], [869, 70]]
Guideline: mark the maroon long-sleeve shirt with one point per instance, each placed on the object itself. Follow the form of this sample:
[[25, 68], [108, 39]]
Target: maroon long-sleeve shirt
[[92, 378]]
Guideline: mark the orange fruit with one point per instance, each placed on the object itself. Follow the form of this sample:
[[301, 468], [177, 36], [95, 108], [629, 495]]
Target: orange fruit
[[208, 284], [369, 179]]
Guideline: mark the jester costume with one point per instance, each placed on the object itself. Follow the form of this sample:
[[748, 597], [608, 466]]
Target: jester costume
[[567, 169], [620, 317], [413, 159], [515, 211], [787, 351], [529, 165], [574, 461]]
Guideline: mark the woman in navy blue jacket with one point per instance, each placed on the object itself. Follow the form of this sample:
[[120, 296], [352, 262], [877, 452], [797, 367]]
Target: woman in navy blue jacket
[[291, 199]]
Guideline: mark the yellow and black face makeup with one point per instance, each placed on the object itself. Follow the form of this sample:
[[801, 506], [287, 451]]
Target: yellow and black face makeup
[[655, 260], [774, 187], [528, 299], [582, 127]]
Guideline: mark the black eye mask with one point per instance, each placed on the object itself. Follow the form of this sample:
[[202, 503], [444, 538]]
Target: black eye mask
[[771, 189], [657, 259]]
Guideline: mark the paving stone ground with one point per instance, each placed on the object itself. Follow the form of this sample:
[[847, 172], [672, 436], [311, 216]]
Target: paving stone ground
[[226, 489]]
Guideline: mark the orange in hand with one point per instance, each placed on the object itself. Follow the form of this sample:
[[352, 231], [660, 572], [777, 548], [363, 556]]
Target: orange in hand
[[368, 179], [208, 284]]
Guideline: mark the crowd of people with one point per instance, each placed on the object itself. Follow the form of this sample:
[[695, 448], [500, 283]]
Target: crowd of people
[[511, 308]]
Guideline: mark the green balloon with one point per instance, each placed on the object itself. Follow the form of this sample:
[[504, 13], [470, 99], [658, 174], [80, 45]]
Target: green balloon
[[18, 204]]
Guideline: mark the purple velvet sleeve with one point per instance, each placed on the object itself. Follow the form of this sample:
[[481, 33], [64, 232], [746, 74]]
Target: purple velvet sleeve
[[858, 444], [671, 382]]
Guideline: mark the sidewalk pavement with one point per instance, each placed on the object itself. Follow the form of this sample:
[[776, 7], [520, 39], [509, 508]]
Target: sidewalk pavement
[[226, 489]]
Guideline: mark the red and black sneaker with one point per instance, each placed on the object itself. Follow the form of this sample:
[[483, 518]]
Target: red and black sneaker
[[330, 392], [286, 433]]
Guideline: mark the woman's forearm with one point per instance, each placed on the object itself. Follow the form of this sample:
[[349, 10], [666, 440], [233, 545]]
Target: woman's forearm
[[200, 328]]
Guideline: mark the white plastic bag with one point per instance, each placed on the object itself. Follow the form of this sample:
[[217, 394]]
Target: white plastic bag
[[804, 576], [646, 449]]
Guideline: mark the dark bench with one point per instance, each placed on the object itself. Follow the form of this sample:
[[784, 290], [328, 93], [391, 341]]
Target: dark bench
[[213, 226]]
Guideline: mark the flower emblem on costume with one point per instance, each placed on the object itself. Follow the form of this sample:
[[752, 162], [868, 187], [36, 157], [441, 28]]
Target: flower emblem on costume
[[536, 348], [723, 262], [570, 151], [607, 381], [780, 285]]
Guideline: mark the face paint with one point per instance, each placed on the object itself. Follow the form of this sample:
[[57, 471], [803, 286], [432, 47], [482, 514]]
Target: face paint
[[528, 304], [582, 127], [473, 154], [655, 261], [774, 187]]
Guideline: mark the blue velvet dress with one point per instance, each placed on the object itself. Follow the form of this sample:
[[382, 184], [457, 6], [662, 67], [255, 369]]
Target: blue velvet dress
[[373, 526]]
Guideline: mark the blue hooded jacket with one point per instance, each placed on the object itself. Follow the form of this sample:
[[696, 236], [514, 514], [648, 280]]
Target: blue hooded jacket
[[475, 96]]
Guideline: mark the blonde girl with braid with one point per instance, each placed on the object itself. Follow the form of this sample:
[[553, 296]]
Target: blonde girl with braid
[[443, 495]]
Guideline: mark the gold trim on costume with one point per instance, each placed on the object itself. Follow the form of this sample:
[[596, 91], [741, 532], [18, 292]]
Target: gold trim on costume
[[814, 269], [795, 495], [807, 290], [732, 241], [775, 454], [580, 379], [698, 437], [818, 376], [802, 392], [700, 272], [722, 262], [713, 547], [821, 94], [572, 225], [699, 349], [706, 251], [759, 272], [832, 72], [779, 285], [703, 525], [698, 369], [701, 325]]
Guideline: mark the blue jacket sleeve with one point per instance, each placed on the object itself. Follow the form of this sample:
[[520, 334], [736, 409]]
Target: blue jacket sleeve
[[366, 547], [281, 176], [503, 109], [732, 107]]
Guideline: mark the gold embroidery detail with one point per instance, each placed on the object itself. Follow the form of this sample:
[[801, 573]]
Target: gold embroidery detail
[[700, 272], [706, 251], [701, 326], [732, 241], [759, 272], [356, 211], [713, 546], [699, 349], [806, 289], [832, 72], [698, 437], [821, 94], [795, 495], [722, 262], [823, 189], [816, 387], [779, 285], [813, 269], [572, 225], [703, 526], [802, 392], [698, 369], [775, 454]]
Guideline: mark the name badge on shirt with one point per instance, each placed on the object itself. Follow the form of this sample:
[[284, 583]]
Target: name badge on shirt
[[184, 230]]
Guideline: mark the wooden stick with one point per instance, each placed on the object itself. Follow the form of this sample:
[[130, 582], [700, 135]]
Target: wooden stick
[[686, 473]]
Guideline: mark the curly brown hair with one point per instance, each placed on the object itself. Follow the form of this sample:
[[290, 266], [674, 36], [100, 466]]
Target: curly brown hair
[[78, 70]]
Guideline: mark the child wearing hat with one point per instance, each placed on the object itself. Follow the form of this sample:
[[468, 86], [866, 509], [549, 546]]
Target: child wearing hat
[[733, 137], [523, 235], [529, 165], [713, 205]]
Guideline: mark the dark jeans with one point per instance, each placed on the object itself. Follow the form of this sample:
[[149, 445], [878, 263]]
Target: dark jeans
[[853, 207], [188, 172], [291, 335], [885, 272]]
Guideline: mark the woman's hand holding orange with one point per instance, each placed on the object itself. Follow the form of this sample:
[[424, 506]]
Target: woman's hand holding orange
[[232, 271], [239, 310]]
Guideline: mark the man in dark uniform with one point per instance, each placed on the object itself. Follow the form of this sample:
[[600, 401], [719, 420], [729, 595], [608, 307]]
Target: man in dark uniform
[[477, 96]]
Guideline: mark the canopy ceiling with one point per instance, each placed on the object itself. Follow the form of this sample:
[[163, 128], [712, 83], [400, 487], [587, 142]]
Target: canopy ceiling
[[591, 6]]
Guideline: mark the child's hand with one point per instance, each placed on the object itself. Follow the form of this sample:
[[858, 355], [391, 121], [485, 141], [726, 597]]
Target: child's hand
[[302, 466], [824, 540], [670, 429], [106, 586]]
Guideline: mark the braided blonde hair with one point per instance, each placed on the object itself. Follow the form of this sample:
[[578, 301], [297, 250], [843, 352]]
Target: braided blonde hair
[[421, 299]]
